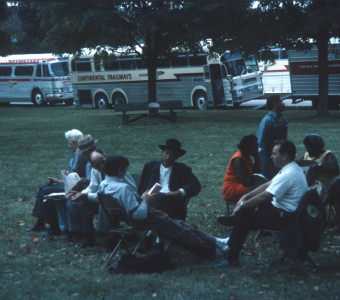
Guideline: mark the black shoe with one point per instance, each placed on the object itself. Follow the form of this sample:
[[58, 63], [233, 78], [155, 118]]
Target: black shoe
[[88, 243], [231, 220], [51, 232], [37, 228]]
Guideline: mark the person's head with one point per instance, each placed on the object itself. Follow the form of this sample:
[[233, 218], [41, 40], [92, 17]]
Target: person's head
[[72, 136], [275, 103], [283, 153], [98, 160], [87, 144], [314, 144], [248, 144], [116, 165], [171, 152]]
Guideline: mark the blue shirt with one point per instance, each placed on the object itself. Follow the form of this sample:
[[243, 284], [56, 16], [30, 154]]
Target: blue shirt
[[272, 127]]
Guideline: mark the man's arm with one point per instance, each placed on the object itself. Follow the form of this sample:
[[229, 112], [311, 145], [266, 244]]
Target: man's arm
[[255, 201]]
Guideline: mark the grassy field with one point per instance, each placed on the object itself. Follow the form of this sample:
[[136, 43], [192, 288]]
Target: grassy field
[[33, 147]]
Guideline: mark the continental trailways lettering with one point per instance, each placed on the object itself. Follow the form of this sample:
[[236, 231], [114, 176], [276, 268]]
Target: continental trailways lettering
[[102, 77]]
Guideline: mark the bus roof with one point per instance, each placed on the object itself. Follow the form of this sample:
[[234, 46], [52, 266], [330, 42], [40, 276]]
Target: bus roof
[[28, 58]]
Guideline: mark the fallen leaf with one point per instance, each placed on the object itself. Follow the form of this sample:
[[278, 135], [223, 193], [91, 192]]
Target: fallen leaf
[[20, 223], [316, 288], [34, 239], [10, 254], [20, 199], [222, 275]]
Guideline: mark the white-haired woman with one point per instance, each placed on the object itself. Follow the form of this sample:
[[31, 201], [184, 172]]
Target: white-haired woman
[[46, 212]]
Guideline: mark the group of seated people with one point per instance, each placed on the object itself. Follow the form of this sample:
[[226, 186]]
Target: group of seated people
[[165, 211]]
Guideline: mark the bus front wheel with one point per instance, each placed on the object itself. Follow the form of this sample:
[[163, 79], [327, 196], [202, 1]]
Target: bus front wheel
[[118, 98], [38, 98], [101, 101], [200, 100]]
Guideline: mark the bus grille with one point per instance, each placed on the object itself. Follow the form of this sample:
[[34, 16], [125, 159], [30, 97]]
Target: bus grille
[[249, 80]]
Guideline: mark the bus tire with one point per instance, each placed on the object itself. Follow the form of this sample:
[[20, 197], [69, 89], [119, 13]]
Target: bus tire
[[101, 101], [200, 100], [38, 98], [118, 98]]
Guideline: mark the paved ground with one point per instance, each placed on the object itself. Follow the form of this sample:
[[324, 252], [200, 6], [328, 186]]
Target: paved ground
[[257, 103]]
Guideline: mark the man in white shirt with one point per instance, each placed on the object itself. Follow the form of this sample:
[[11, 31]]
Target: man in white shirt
[[277, 198], [178, 182]]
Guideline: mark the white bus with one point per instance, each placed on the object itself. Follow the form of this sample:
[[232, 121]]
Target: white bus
[[276, 74], [35, 78], [193, 79]]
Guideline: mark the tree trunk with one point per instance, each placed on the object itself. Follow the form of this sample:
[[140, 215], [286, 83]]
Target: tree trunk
[[322, 44]]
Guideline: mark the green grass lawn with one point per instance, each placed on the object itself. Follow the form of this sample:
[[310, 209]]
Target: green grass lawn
[[33, 147]]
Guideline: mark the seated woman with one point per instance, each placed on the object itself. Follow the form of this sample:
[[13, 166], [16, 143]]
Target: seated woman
[[241, 167], [322, 164]]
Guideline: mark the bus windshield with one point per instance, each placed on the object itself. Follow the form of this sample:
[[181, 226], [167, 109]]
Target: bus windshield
[[60, 69], [235, 67], [251, 64]]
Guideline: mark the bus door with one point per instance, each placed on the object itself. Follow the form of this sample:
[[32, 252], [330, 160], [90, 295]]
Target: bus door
[[23, 75], [216, 75], [6, 83]]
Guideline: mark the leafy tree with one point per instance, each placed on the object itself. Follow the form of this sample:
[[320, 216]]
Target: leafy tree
[[6, 43], [155, 28], [293, 24]]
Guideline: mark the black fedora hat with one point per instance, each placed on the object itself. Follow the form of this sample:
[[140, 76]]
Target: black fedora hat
[[174, 145]]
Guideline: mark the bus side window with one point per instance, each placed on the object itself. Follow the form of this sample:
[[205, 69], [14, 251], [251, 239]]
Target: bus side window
[[23, 71], [5, 71]]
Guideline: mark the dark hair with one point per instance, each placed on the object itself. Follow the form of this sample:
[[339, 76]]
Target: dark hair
[[114, 163], [246, 142], [272, 100], [314, 140], [286, 147]]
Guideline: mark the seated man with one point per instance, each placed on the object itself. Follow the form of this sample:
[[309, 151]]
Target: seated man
[[178, 182], [83, 205], [332, 197], [147, 217], [46, 212], [323, 164], [278, 199], [238, 176]]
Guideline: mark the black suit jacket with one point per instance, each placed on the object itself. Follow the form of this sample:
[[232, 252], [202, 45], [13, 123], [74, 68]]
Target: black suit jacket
[[181, 177]]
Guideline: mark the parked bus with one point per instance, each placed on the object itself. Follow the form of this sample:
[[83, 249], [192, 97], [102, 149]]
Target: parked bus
[[35, 78], [304, 75], [276, 78], [196, 80]]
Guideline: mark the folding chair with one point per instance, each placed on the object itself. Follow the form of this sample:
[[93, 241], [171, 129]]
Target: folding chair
[[114, 212]]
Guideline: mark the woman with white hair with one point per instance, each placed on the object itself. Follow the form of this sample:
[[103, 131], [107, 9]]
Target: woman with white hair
[[46, 212]]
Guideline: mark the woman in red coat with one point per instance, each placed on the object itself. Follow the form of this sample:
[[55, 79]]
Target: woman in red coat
[[241, 167]]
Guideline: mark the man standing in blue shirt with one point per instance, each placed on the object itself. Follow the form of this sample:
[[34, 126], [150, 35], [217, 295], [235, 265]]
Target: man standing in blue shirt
[[272, 127]]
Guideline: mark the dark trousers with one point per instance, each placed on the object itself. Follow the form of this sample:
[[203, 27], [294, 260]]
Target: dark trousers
[[46, 211], [194, 240], [271, 218], [175, 207]]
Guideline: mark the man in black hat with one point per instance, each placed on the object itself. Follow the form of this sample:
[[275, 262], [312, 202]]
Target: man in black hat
[[178, 182]]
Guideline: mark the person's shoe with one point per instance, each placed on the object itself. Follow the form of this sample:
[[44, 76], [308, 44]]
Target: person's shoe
[[222, 247], [230, 220], [37, 228], [51, 232], [226, 263], [86, 244]]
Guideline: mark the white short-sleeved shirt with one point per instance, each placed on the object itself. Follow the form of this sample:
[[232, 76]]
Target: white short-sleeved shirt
[[287, 187]]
